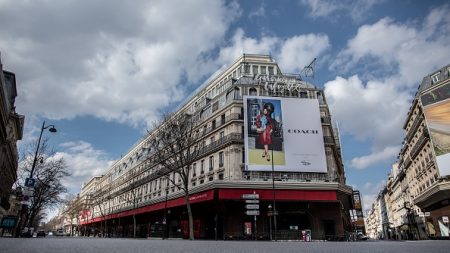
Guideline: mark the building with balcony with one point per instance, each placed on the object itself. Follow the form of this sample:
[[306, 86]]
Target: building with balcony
[[417, 193], [377, 220], [316, 201], [11, 130], [429, 185], [373, 221]]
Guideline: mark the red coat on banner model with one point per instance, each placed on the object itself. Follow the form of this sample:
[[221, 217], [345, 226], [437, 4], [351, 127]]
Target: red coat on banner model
[[264, 127]]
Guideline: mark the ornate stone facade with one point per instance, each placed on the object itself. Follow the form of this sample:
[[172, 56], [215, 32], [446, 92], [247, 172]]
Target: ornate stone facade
[[11, 129]]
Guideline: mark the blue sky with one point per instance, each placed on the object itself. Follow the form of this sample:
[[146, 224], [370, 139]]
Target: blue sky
[[103, 71]]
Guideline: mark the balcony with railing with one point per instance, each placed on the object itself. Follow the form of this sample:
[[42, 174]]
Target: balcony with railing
[[325, 120], [220, 143], [413, 129], [328, 140], [229, 118], [204, 151], [407, 162], [418, 147], [288, 176]]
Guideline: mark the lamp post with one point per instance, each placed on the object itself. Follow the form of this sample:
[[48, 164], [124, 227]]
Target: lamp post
[[52, 129], [273, 192], [270, 221], [29, 182], [165, 215]]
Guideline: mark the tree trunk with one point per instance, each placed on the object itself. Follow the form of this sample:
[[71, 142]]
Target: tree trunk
[[134, 225], [191, 220]]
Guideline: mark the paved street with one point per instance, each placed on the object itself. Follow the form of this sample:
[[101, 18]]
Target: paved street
[[88, 245]]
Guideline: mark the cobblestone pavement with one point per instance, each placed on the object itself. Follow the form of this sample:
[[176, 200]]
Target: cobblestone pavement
[[110, 245]]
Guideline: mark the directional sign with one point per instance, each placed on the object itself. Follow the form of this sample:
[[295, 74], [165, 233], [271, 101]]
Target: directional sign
[[427, 214], [251, 201], [445, 219], [250, 196], [252, 206], [27, 191], [29, 182], [252, 212]]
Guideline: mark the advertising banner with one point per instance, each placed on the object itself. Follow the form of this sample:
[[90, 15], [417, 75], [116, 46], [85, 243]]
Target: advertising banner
[[285, 132], [357, 202], [436, 107]]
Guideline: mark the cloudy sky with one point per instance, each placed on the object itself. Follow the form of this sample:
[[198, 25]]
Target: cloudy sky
[[102, 71]]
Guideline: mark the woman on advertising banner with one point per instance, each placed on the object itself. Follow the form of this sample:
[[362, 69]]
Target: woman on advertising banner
[[264, 124]]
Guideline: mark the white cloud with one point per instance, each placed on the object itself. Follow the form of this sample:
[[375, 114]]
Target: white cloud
[[366, 161], [373, 111], [403, 52], [109, 59], [292, 53], [298, 51], [369, 195], [392, 59], [320, 8], [134, 61], [333, 9], [83, 162], [259, 12]]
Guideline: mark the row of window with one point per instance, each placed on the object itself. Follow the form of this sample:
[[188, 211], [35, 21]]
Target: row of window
[[156, 185], [202, 167], [224, 84]]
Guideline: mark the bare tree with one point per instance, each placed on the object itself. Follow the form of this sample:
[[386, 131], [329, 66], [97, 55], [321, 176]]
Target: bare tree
[[99, 199], [133, 199], [72, 210], [175, 147], [49, 173]]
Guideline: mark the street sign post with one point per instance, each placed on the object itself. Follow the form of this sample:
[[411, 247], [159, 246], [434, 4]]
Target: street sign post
[[252, 206], [252, 212], [27, 191], [250, 196], [29, 182]]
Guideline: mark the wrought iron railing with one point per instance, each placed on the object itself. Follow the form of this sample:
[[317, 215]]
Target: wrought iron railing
[[416, 149], [413, 128], [289, 176]]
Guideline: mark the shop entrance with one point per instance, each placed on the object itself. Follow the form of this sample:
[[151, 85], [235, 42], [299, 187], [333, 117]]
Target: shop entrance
[[290, 225]]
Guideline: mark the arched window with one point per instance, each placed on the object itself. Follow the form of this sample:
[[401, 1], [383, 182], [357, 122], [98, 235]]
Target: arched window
[[253, 92]]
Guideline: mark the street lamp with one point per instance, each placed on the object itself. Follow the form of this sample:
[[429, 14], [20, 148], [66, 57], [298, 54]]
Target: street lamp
[[52, 129], [270, 221], [165, 215], [29, 182], [273, 192]]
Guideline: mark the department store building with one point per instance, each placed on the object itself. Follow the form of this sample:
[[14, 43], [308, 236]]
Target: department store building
[[221, 181]]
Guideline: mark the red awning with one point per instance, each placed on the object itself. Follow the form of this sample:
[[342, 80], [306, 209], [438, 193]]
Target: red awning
[[194, 198], [228, 194], [267, 194]]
